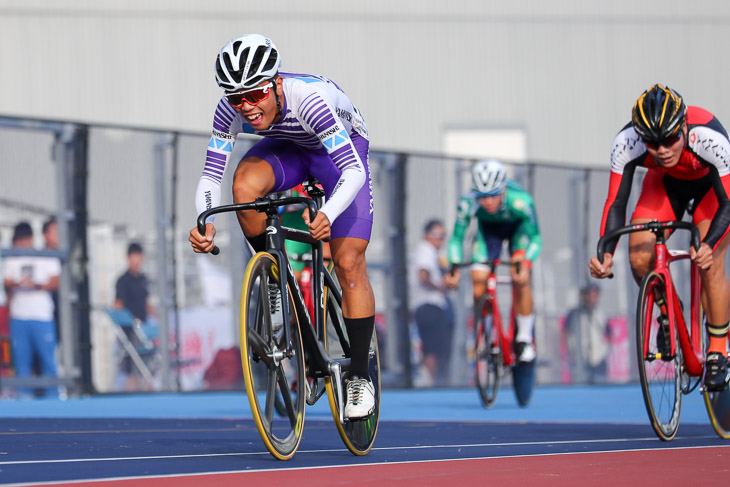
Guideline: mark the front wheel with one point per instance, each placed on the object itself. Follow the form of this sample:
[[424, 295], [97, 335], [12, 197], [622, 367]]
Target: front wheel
[[358, 435], [270, 366], [488, 362], [659, 371]]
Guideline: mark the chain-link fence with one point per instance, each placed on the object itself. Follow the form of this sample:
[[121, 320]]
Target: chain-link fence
[[110, 186]]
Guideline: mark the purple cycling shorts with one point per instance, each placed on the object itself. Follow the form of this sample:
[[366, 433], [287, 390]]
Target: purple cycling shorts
[[293, 164]]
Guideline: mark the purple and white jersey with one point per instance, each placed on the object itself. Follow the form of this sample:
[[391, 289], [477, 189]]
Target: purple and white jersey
[[316, 114]]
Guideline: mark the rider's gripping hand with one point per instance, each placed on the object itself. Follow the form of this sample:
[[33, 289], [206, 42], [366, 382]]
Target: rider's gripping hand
[[202, 243], [703, 257], [601, 270], [451, 279], [320, 227], [520, 273]]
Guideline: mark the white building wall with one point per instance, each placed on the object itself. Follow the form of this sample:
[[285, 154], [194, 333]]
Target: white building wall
[[566, 72]]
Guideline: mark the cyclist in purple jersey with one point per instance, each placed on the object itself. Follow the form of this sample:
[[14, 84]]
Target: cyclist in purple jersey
[[310, 128]]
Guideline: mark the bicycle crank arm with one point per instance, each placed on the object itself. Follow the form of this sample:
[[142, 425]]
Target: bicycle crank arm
[[336, 373]]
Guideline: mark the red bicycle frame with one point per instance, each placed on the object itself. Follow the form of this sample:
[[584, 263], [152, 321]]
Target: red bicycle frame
[[690, 340], [505, 338]]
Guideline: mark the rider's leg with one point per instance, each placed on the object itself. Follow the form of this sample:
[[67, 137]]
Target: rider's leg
[[716, 294], [358, 309], [641, 251], [254, 178], [525, 315], [358, 301], [655, 203], [479, 274], [522, 293]]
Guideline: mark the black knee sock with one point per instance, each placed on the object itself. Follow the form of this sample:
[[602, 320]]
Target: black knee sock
[[359, 330], [258, 242]]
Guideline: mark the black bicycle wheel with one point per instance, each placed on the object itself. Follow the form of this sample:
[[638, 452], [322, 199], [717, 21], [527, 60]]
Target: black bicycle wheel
[[523, 381], [717, 403], [359, 435], [660, 373], [268, 370], [488, 358]]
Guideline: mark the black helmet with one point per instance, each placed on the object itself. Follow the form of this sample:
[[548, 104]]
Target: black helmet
[[658, 113]]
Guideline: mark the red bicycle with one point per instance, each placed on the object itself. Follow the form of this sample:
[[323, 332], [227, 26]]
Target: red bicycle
[[495, 345], [671, 350]]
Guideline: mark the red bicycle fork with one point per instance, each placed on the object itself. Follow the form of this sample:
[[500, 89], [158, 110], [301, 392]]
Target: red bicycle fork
[[505, 338], [689, 340]]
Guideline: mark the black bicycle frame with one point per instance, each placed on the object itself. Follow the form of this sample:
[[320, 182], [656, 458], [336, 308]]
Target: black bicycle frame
[[276, 234]]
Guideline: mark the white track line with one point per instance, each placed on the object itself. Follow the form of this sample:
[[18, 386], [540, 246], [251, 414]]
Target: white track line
[[319, 467], [301, 452]]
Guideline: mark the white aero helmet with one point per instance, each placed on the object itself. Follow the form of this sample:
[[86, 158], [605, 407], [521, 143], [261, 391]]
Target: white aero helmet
[[488, 177], [245, 62]]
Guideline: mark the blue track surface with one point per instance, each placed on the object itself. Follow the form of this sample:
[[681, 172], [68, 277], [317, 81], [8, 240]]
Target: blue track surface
[[177, 434], [605, 404]]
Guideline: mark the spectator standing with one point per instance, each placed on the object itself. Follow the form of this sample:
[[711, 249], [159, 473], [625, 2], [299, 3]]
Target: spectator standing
[[429, 301], [131, 294], [29, 282], [131, 289], [587, 338], [50, 238]]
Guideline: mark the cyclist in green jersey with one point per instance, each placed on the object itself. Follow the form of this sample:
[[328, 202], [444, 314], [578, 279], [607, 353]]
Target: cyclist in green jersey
[[503, 211]]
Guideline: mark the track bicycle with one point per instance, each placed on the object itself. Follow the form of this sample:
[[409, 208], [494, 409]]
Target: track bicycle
[[671, 351], [495, 344], [312, 352]]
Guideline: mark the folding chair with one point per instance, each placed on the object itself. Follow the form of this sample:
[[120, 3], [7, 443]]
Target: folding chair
[[143, 354]]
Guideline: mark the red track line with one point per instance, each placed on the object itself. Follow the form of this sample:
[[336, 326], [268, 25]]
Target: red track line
[[680, 466]]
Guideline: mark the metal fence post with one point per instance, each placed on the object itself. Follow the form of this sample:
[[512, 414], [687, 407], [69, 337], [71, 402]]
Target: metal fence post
[[66, 293], [396, 168], [164, 277], [71, 153]]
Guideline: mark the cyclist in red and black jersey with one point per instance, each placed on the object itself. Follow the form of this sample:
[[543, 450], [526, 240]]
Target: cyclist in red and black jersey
[[687, 153]]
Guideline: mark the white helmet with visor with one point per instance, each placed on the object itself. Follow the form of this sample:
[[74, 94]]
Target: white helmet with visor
[[245, 62], [488, 178]]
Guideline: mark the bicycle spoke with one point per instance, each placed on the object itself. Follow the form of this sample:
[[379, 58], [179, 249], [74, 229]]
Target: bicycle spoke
[[286, 395], [260, 347], [270, 395]]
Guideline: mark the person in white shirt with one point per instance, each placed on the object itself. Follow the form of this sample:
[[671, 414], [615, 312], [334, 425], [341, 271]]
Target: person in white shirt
[[430, 305], [29, 284]]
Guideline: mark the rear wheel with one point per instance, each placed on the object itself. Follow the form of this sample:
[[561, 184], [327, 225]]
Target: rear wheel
[[269, 369], [717, 403], [488, 353], [359, 435], [523, 380], [659, 372]]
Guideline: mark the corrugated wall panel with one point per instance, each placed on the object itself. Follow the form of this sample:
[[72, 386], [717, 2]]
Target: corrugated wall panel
[[565, 71]]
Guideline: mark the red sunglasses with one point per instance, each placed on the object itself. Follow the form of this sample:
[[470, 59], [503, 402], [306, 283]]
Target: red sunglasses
[[253, 96], [668, 142]]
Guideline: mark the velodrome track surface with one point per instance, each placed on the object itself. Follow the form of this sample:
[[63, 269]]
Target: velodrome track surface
[[566, 436]]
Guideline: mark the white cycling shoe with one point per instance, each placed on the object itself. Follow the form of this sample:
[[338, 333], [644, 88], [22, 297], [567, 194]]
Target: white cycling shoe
[[360, 398]]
